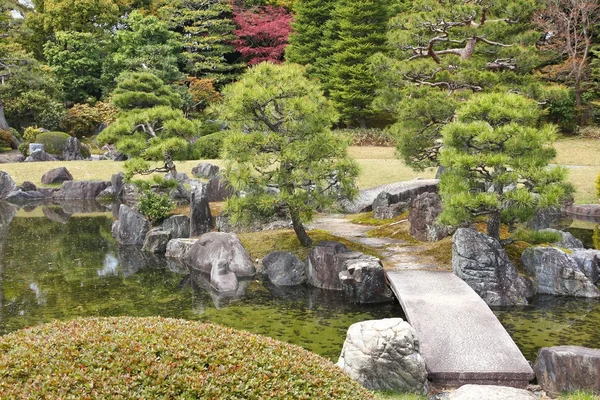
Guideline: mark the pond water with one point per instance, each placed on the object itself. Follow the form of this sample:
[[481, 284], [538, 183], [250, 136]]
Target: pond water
[[69, 266]]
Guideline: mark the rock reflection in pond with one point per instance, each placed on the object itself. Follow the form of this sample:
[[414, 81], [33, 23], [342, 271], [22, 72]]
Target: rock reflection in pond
[[56, 214], [132, 259], [111, 266]]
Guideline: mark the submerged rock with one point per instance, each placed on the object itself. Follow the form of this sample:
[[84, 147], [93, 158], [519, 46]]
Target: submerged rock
[[384, 355]]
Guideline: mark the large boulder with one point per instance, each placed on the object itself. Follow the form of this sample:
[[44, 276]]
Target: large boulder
[[56, 175], [568, 369], [177, 225], [284, 269], [201, 220], [588, 262], [384, 355], [156, 241], [567, 241], [205, 171], [399, 192], [218, 189], [424, 211], [488, 392], [20, 197], [7, 185], [72, 150], [80, 190], [383, 199], [389, 212], [39, 156], [555, 272], [178, 249], [223, 252], [482, 263], [131, 228], [323, 266], [116, 183], [28, 186], [363, 281]]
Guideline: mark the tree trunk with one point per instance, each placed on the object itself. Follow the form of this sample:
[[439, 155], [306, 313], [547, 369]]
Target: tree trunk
[[362, 122], [301, 234], [493, 225], [14, 142], [469, 49], [579, 103]]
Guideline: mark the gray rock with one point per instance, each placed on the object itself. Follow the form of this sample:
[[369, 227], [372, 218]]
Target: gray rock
[[7, 185], [588, 262], [201, 220], [555, 272], [56, 175], [218, 189], [383, 199], [72, 150], [177, 225], [131, 228], [488, 392], [363, 281], [568, 241], [216, 247], [39, 156], [546, 218], [284, 269], [156, 241], [205, 170], [106, 195], [324, 267], [222, 278], [424, 211], [35, 147], [179, 249], [130, 193], [567, 369], [20, 197], [223, 224], [399, 191], [80, 190], [482, 263], [116, 184], [28, 187], [390, 212], [384, 355]]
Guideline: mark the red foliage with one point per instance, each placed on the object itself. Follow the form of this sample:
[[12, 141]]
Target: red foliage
[[262, 33]]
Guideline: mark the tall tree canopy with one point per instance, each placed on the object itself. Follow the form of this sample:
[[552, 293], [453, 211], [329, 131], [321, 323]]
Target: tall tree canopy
[[497, 156], [281, 151]]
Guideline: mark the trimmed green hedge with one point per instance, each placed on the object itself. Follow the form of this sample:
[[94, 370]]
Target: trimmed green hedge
[[53, 142], [159, 358]]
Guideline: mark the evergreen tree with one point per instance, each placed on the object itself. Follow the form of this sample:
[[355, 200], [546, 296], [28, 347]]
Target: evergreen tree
[[306, 39], [280, 150], [355, 32], [496, 157], [206, 27]]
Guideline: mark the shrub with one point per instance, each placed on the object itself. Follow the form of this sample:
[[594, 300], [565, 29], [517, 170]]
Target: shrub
[[5, 140], [536, 237], [155, 206], [31, 133], [24, 148], [598, 186], [159, 358], [83, 120], [208, 147], [369, 137], [53, 141]]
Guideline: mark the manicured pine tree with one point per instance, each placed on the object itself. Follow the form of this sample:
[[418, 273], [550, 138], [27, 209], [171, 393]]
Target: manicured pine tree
[[356, 31], [206, 27], [496, 158]]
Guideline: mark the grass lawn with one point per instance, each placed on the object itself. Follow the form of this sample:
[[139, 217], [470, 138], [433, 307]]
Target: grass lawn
[[379, 165]]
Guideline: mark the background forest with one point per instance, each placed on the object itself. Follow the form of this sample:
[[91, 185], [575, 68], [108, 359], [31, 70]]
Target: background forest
[[74, 66]]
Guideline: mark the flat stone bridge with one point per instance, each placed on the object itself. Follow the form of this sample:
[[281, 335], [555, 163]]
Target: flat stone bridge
[[461, 339]]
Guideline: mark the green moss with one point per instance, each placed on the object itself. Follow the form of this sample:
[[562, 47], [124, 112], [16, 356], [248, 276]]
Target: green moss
[[159, 358], [259, 244], [514, 251], [399, 229], [367, 219], [440, 251], [579, 395]]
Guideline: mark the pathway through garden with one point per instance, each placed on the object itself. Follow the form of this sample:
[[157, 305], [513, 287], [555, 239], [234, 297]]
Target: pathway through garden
[[461, 339]]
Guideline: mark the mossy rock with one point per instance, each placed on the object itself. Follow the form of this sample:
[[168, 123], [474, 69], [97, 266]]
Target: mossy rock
[[159, 358]]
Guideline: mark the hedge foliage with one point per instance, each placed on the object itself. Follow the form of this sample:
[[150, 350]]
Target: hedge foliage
[[53, 142], [160, 358]]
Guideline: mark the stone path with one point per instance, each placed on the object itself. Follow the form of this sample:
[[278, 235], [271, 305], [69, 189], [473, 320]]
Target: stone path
[[461, 339]]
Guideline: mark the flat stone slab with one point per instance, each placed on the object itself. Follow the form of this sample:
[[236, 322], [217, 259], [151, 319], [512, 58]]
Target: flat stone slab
[[462, 341], [586, 212], [400, 191]]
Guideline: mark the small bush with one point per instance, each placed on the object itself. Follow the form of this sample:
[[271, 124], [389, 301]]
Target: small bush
[[5, 139], [31, 133], [598, 186], [208, 147], [369, 137], [24, 148], [53, 142], [155, 206], [160, 358], [536, 237], [82, 120], [590, 132]]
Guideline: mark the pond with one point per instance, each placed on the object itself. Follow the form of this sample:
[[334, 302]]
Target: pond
[[62, 265]]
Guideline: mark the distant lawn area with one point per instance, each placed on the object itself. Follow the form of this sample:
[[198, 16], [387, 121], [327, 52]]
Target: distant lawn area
[[379, 165]]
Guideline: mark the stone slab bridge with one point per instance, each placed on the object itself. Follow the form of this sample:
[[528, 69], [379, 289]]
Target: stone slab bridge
[[460, 338]]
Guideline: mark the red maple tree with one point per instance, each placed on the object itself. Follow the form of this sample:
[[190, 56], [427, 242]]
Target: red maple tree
[[262, 33]]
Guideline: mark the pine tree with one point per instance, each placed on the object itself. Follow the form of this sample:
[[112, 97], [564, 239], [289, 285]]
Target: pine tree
[[355, 32], [206, 27], [306, 39], [496, 158]]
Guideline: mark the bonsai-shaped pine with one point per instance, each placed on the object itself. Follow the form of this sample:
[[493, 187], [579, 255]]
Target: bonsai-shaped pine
[[150, 126], [497, 156], [280, 151]]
